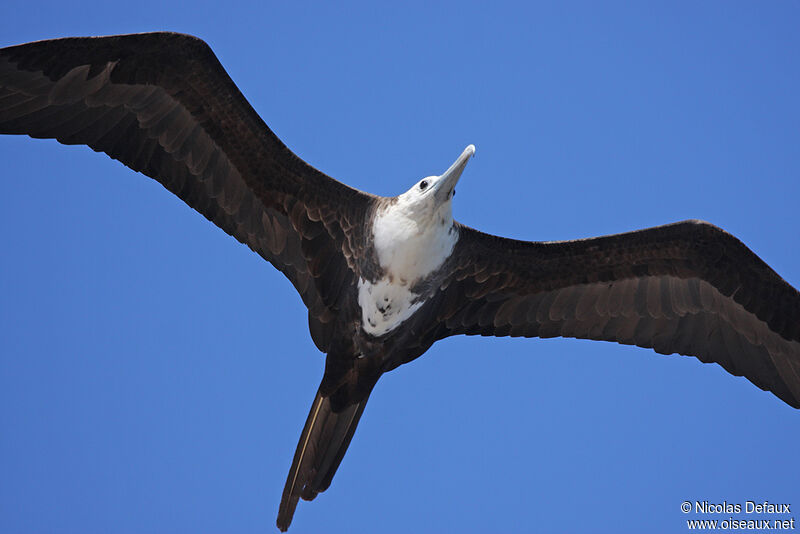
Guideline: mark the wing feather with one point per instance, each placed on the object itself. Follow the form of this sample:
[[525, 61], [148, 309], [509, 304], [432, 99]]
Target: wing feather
[[687, 288], [162, 104]]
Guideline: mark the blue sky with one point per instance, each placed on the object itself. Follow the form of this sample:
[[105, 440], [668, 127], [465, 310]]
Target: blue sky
[[155, 375]]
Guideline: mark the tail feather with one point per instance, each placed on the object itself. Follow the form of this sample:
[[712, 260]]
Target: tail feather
[[320, 450]]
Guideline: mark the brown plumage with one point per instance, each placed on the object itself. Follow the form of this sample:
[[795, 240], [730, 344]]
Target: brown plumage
[[163, 105], [687, 288]]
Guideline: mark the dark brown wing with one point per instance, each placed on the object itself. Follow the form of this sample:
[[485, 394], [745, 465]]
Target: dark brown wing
[[162, 104], [687, 288]]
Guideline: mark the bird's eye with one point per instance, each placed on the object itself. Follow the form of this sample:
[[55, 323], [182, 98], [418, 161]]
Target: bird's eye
[[423, 184]]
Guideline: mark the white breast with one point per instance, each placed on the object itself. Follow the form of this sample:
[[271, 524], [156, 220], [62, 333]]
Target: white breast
[[412, 249], [408, 250]]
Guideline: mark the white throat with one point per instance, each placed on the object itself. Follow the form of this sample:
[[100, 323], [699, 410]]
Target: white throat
[[410, 242], [412, 236]]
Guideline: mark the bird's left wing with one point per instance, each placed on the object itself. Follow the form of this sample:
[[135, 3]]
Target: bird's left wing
[[162, 104], [687, 288]]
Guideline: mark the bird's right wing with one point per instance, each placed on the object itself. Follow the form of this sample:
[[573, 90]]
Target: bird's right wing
[[162, 104], [687, 288]]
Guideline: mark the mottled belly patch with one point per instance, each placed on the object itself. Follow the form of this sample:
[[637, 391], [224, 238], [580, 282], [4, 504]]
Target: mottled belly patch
[[385, 305]]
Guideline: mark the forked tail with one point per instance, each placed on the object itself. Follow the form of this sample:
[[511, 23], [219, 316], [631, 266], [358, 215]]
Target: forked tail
[[319, 452]]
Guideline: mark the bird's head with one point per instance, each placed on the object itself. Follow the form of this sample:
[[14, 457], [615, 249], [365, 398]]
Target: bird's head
[[430, 198]]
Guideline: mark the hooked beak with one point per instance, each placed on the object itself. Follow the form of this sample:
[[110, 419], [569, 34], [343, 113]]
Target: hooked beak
[[447, 181]]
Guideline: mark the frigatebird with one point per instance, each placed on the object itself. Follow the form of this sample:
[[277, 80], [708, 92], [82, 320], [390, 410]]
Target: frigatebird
[[384, 278]]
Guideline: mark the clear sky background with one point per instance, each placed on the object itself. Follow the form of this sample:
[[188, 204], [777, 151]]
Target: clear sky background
[[155, 374]]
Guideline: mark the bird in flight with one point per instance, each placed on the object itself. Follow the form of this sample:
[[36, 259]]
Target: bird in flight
[[384, 278]]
